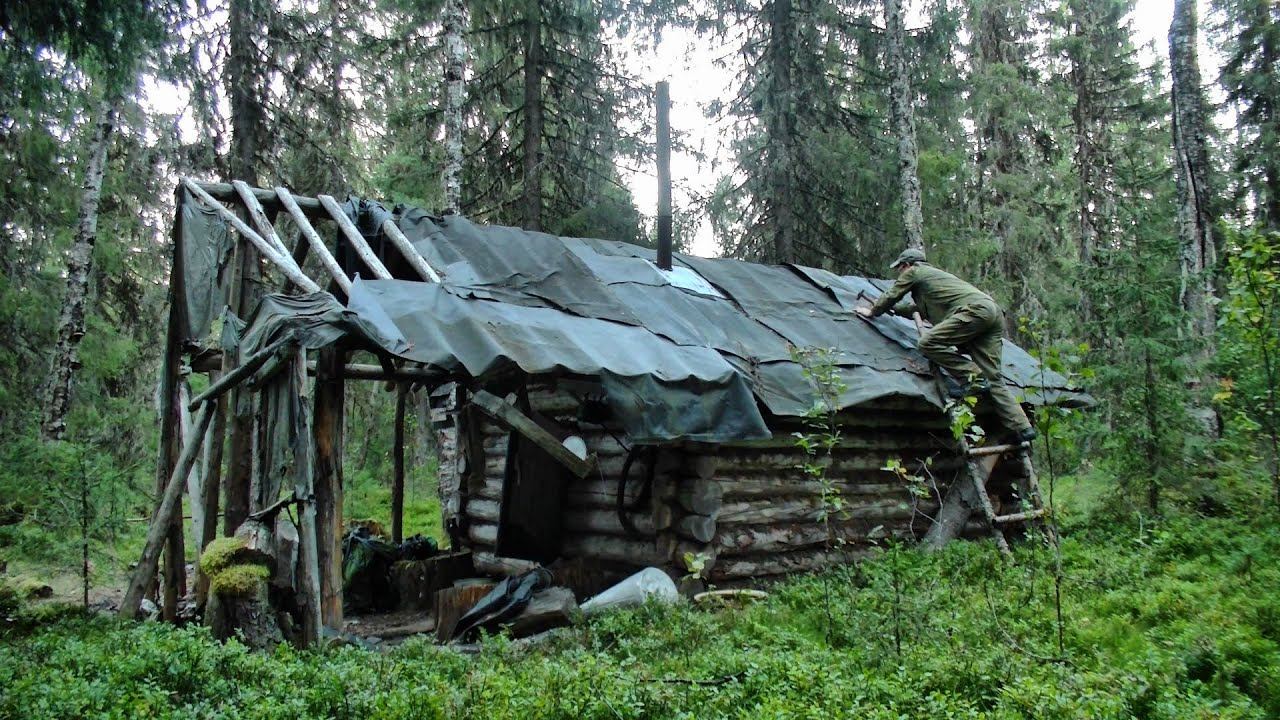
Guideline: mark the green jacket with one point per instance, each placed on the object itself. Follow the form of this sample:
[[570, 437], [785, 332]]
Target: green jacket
[[937, 293]]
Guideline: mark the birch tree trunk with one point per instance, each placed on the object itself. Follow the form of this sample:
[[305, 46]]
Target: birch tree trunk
[[533, 110], [79, 267], [904, 130], [1191, 169], [454, 73]]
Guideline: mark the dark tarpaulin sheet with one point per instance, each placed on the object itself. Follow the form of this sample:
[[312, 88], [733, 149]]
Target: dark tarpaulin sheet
[[659, 390], [204, 246], [692, 354]]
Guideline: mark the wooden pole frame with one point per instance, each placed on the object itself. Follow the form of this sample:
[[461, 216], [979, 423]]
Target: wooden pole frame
[[161, 521]]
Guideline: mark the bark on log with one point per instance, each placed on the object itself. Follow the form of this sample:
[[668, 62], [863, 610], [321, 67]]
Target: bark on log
[[765, 490]]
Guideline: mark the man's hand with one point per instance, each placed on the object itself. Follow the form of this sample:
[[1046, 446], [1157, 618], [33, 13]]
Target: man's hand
[[864, 311]]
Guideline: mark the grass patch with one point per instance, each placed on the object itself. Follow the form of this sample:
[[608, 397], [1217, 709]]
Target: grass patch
[[1172, 619]]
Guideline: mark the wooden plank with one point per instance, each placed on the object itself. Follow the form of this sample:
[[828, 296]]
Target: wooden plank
[[313, 239], [161, 520], [410, 253], [282, 261], [503, 413], [354, 237]]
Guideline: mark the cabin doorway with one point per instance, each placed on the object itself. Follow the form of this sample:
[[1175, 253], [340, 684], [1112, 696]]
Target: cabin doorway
[[531, 522]]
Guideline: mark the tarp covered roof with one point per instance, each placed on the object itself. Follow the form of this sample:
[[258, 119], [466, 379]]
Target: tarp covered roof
[[693, 353]]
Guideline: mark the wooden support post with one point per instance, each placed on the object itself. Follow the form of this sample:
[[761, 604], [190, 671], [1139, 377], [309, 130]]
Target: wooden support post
[[309, 584], [354, 237], [328, 424], [173, 578], [411, 254], [513, 419], [397, 479], [161, 521], [314, 240]]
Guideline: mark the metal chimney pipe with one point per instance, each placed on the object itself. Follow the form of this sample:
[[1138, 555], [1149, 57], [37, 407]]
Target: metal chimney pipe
[[664, 176]]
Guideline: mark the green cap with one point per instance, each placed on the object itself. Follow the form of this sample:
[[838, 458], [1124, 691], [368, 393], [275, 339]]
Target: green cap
[[910, 255]]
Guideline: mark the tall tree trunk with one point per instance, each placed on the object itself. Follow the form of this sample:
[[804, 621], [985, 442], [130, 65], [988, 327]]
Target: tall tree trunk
[[780, 127], [1191, 169], [79, 267], [902, 116], [455, 67], [244, 87], [533, 112]]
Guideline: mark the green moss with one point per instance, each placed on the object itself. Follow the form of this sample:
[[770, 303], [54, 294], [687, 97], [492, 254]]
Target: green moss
[[220, 554], [239, 580]]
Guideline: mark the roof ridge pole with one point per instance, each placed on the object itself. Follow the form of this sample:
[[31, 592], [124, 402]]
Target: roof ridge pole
[[410, 253], [313, 237], [285, 264], [355, 238], [664, 175]]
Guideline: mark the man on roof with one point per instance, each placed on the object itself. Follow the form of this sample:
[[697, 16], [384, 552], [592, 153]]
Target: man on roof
[[965, 320]]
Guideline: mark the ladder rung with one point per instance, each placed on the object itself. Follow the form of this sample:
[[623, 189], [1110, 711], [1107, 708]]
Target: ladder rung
[[1019, 517], [996, 449]]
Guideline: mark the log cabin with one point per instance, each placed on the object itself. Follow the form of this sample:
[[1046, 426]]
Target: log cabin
[[603, 405]]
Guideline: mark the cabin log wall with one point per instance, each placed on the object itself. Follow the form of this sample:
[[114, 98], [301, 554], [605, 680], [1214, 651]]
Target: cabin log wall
[[747, 509]]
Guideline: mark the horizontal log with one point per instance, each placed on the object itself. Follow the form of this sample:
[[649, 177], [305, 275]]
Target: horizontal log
[[780, 537], [696, 527], [873, 440], [774, 490], [606, 522], [486, 510], [624, 550], [701, 497], [760, 512], [483, 533], [225, 192], [364, 371], [242, 371], [486, 563], [841, 463], [736, 568]]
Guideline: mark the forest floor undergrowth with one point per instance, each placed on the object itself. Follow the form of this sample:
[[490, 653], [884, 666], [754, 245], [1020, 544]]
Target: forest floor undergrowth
[[1177, 617]]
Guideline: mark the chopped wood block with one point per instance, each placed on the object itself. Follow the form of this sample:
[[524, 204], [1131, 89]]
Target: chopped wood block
[[550, 608], [454, 602]]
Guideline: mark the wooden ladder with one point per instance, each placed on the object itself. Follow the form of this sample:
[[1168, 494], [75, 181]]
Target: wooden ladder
[[981, 461]]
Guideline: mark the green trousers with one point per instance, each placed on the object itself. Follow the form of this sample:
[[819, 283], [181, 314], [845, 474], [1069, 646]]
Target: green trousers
[[976, 329]]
